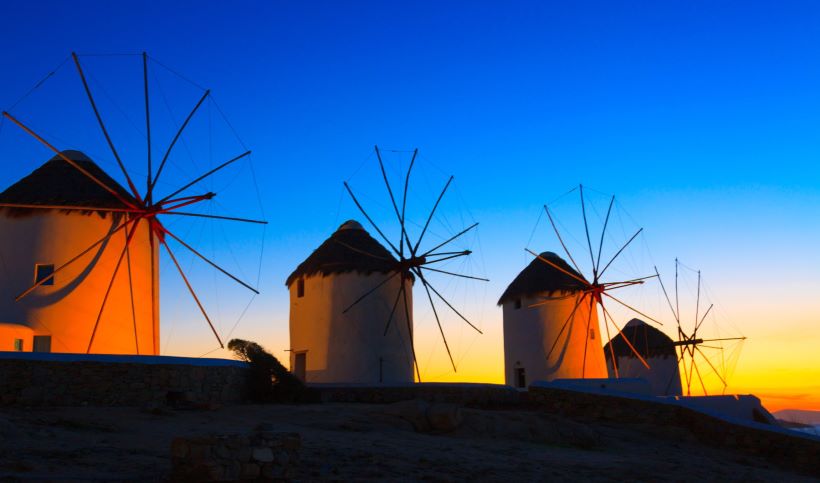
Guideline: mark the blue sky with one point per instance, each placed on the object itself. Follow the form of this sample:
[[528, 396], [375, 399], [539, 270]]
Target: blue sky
[[702, 117]]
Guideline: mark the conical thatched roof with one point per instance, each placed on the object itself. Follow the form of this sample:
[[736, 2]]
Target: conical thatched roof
[[57, 183], [349, 249], [540, 277], [648, 341]]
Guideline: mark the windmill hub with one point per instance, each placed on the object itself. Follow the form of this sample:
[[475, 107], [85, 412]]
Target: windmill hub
[[409, 263]]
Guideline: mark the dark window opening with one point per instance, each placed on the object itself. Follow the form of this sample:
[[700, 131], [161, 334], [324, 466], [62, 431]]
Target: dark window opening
[[42, 343], [43, 271], [18, 345], [517, 303], [520, 377], [300, 288], [591, 334]]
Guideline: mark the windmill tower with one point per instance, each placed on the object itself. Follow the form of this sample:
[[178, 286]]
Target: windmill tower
[[329, 343], [655, 347], [52, 215], [538, 346], [81, 251], [551, 311], [368, 294]]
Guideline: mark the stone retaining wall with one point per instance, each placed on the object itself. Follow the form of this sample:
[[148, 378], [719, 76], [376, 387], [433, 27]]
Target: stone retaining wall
[[787, 448], [457, 393], [73, 380]]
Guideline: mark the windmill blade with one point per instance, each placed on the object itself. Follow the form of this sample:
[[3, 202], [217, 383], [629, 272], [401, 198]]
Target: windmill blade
[[217, 217], [400, 216], [611, 348], [190, 201], [586, 229], [432, 212], [393, 310], [625, 339], [410, 331], [586, 336], [697, 326], [357, 250], [209, 262], [455, 274], [426, 283], [631, 281], [722, 380], [193, 294], [666, 294], [697, 308], [108, 290], [133, 188], [174, 141], [603, 231], [74, 259], [457, 255], [147, 125], [209, 173], [564, 326], [546, 300], [697, 371], [631, 308], [404, 202], [373, 224], [370, 292], [438, 321], [428, 252], [555, 266], [131, 288], [619, 251], [561, 240], [25, 206], [70, 161]]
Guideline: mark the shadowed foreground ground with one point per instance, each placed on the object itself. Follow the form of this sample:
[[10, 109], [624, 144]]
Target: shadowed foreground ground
[[357, 441]]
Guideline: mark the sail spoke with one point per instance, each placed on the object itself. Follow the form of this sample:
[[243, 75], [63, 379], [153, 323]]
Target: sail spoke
[[428, 252], [363, 296], [625, 338], [586, 229], [455, 274], [133, 188], [191, 290], [210, 262], [632, 308], [108, 290], [70, 161], [561, 240], [438, 321], [216, 217], [200, 178], [603, 232], [564, 326], [174, 141], [372, 223], [426, 283], [557, 267], [74, 259], [619, 251], [432, 212]]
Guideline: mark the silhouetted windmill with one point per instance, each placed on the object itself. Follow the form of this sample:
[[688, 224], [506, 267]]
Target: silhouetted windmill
[[134, 211], [690, 343], [595, 290], [412, 260]]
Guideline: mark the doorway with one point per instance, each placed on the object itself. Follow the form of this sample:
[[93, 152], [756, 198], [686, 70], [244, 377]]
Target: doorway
[[300, 365]]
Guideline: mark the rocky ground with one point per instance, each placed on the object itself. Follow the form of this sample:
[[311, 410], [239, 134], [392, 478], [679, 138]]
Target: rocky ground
[[363, 442]]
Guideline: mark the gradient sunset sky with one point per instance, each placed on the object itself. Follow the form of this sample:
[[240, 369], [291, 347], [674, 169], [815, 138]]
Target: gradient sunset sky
[[703, 118]]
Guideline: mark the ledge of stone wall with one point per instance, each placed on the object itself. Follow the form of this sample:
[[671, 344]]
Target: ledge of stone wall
[[458, 393], [74, 380], [788, 448]]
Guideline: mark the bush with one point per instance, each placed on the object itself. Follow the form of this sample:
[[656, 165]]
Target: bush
[[269, 380]]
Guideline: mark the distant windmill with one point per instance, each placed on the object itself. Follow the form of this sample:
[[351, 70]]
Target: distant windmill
[[413, 262], [138, 217], [592, 290], [690, 344]]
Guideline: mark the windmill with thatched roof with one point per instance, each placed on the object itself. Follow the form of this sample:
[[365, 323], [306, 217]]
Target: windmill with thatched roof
[[330, 340], [80, 252]]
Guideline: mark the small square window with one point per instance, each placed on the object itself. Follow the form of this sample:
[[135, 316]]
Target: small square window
[[591, 334], [300, 287], [517, 303], [18, 345], [43, 271]]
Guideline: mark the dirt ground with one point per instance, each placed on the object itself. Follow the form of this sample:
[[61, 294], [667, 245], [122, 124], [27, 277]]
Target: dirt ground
[[363, 442]]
